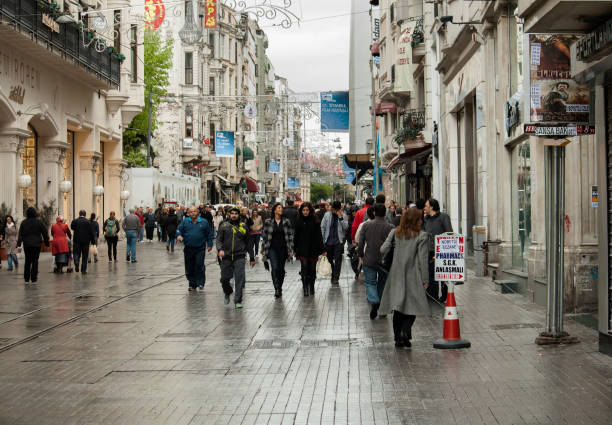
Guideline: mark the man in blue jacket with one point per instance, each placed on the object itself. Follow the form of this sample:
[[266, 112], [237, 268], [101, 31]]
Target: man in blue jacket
[[196, 233]]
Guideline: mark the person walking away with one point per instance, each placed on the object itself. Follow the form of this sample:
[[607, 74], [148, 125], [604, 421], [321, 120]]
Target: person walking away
[[255, 231], [232, 246], [405, 291], [150, 224], [140, 215], [291, 213], [96, 229], [32, 233], [206, 214], [111, 231], [435, 223], [59, 245], [157, 213], [163, 217], [131, 226], [372, 236], [333, 229], [277, 246], [10, 241], [359, 216], [197, 235], [217, 220], [308, 246], [83, 235], [171, 224]]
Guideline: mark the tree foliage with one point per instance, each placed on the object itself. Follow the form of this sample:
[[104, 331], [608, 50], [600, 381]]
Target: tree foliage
[[157, 66], [319, 192]]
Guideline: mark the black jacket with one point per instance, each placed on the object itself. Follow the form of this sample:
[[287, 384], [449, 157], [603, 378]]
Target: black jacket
[[207, 215], [95, 226], [149, 220], [291, 214], [82, 231], [308, 240], [170, 222], [32, 232], [233, 238], [436, 225]]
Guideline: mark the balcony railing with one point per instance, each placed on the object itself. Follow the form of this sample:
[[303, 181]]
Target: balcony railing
[[26, 16]]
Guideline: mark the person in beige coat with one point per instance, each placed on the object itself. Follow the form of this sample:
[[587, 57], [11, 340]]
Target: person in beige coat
[[408, 279]]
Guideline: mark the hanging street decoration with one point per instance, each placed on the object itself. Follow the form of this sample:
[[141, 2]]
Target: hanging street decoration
[[210, 14], [155, 12]]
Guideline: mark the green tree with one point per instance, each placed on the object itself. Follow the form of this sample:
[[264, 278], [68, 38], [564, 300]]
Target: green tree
[[157, 65], [319, 191]]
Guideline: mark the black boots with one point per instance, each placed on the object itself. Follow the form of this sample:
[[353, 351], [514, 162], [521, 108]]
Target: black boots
[[311, 283], [278, 283]]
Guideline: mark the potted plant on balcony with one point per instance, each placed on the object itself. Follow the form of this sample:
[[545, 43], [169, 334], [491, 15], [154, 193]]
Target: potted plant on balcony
[[411, 132]]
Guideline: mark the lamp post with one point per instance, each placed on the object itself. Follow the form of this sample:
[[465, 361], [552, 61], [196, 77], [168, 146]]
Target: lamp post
[[98, 192], [65, 187], [24, 181], [124, 195]]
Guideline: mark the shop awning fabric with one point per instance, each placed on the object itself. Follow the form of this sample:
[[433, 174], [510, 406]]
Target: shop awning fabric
[[248, 154], [252, 185], [223, 180], [410, 154], [384, 107]]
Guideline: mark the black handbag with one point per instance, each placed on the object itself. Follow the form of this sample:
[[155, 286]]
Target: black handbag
[[387, 259]]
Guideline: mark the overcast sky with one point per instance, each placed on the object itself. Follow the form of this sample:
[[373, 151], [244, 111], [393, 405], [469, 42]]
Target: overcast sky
[[314, 56]]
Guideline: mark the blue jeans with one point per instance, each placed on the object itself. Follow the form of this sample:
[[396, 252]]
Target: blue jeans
[[171, 240], [12, 258], [132, 237], [374, 279], [141, 233], [277, 259]]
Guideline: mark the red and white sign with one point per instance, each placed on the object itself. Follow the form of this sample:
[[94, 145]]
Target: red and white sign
[[450, 258], [155, 12], [210, 14]]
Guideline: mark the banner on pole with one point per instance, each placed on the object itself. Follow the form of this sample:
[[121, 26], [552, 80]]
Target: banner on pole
[[210, 14], [403, 68], [450, 257], [293, 183], [224, 141], [335, 111]]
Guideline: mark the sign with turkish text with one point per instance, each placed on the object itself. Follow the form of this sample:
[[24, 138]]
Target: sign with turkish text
[[554, 95], [210, 13], [224, 141], [155, 12], [335, 111], [403, 67], [274, 166], [558, 130], [450, 258], [293, 183]]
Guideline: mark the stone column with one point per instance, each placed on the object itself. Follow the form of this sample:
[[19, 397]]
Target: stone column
[[84, 199], [113, 187], [12, 143], [50, 173]]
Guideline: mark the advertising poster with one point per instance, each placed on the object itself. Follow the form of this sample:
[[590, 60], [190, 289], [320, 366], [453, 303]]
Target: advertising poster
[[293, 183], [210, 13], [335, 111], [554, 96], [274, 166], [403, 68], [155, 12], [224, 141]]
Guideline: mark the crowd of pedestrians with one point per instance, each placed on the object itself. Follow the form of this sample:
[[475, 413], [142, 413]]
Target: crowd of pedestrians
[[393, 246]]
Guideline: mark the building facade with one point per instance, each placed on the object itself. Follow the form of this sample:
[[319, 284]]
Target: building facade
[[66, 94]]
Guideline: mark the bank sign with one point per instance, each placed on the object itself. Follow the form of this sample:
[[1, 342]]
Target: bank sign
[[450, 258]]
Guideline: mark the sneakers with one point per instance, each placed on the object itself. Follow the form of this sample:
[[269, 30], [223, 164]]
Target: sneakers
[[238, 306], [201, 287], [226, 300]]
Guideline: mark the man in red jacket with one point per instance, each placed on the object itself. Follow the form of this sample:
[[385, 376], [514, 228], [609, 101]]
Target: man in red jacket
[[359, 216]]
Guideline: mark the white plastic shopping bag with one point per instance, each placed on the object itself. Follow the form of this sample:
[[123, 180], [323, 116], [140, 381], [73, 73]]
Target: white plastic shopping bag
[[324, 268]]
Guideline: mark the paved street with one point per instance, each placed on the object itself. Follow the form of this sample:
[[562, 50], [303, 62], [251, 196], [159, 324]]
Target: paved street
[[129, 345]]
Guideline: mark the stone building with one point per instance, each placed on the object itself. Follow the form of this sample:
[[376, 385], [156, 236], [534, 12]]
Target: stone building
[[66, 93]]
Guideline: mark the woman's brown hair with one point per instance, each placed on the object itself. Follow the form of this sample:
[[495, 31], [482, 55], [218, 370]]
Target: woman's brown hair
[[410, 224]]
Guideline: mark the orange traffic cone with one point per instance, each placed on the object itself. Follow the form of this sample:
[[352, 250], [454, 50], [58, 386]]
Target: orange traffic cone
[[452, 334]]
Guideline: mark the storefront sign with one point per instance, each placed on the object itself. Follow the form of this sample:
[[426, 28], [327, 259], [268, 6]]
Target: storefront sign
[[50, 23], [17, 94], [15, 71], [558, 130], [224, 144], [594, 196], [335, 111], [512, 116], [210, 18], [596, 44], [450, 258], [555, 96]]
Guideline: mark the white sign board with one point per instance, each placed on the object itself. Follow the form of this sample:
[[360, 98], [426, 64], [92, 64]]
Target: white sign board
[[450, 258]]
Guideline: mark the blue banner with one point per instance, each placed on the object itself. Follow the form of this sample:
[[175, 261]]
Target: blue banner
[[350, 176], [335, 111], [274, 166], [293, 183], [224, 141]]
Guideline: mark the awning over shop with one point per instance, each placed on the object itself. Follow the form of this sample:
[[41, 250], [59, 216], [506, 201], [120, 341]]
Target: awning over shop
[[223, 180], [252, 185], [248, 154], [361, 161], [385, 107], [412, 153]]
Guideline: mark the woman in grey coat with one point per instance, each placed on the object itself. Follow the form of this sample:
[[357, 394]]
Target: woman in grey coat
[[408, 278]]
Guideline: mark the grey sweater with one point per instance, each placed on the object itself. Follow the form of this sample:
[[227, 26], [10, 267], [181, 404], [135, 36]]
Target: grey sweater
[[131, 222], [371, 237]]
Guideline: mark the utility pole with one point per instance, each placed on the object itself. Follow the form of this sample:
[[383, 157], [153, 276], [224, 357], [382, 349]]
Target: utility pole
[[149, 132], [373, 111]]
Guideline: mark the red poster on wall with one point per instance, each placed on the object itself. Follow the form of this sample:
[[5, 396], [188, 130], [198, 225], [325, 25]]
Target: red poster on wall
[[210, 18], [155, 12]]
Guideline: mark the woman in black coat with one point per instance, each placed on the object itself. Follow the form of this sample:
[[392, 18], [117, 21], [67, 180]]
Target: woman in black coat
[[32, 233], [308, 245], [171, 223]]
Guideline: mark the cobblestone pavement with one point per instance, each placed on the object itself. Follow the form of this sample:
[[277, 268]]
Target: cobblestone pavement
[[127, 344]]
